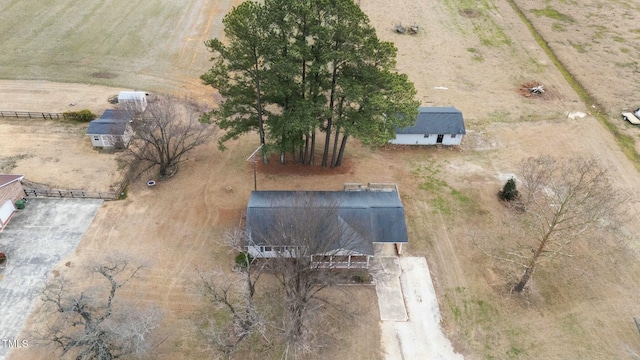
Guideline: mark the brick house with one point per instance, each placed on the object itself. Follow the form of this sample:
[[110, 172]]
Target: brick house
[[10, 192]]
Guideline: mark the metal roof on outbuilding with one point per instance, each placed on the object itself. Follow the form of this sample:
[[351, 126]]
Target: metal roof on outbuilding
[[112, 122], [436, 120], [375, 217]]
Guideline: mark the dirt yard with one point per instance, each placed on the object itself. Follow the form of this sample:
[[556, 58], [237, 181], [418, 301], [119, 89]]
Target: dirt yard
[[473, 55]]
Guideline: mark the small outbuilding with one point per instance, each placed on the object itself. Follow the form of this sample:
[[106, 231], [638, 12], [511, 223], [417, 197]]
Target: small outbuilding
[[434, 126], [362, 218], [133, 100], [10, 192], [112, 129]]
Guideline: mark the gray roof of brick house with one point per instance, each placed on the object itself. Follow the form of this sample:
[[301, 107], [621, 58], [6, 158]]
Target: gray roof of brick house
[[436, 120], [112, 122], [367, 216]]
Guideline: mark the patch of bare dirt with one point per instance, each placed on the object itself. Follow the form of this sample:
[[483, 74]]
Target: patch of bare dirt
[[273, 167], [104, 75]]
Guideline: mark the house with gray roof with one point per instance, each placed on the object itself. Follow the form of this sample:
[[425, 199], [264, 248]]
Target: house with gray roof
[[434, 126], [112, 129], [343, 225]]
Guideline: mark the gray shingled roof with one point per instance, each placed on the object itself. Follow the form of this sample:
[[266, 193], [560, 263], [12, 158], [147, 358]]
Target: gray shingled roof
[[370, 217], [436, 120], [112, 122]]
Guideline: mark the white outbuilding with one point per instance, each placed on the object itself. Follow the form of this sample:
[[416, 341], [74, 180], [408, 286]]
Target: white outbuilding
[[434, 126], [112, 129], [133, 100]]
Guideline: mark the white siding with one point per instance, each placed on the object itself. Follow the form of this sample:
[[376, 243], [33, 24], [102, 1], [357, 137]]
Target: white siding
[[96, 140], [256, 253], [421, 139], [137, 99], [110, 140], [6, 210], [451, 140]]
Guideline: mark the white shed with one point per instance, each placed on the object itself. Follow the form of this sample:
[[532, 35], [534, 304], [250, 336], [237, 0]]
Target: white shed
[[112, 129], [135, 100], [434, 126]]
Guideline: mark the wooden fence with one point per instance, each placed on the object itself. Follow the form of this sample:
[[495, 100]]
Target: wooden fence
[[109, 195], [30, 115], [82, 194]]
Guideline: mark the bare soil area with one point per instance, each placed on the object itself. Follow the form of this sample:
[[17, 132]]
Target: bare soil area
[[54, 152], [474, 55]]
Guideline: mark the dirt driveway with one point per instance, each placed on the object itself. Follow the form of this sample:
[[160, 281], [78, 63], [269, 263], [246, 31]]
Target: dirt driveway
[[35, 241]]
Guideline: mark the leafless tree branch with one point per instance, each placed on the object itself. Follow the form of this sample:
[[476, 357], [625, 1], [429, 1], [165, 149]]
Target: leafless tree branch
[[564, 200], [168, 129], [87, 327]]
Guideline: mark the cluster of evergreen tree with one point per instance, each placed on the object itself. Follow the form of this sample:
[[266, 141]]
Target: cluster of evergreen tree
[[293, 70]]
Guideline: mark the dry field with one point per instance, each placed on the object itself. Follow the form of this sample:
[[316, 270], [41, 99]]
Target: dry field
[[481, 52], [154, 45]]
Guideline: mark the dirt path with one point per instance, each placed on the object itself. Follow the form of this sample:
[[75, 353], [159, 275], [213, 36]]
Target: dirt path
[[45, 96]]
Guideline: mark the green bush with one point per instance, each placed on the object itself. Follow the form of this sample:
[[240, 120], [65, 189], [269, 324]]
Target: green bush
[[243, 260], [362, 277], [80, 116], [509, 191]]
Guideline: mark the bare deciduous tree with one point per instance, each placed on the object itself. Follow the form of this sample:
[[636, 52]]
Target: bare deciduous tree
[[169, 128], [309, 238], [89, 324], [233, 296], [563, 200]]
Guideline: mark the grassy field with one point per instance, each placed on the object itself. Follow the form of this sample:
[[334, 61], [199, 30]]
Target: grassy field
[[152, 45]]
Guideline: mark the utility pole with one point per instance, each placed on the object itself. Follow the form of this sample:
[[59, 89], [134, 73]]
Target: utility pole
[[255, 166]]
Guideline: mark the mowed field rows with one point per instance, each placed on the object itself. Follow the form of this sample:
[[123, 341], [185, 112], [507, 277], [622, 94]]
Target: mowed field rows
[[151, 45]]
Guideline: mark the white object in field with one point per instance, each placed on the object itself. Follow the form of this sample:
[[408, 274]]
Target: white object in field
[[630, 117]]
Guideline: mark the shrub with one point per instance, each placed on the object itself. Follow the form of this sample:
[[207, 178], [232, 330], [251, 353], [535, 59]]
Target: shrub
[[80, 116], [362, 277], [509, 191], [3, 257], [243, 260]]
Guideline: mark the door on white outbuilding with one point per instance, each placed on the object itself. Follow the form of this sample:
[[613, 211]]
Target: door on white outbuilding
[[5, 212]]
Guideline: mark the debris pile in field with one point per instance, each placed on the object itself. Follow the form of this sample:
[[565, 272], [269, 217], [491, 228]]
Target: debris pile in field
[[531, 89], [537, 90], [411, 30]]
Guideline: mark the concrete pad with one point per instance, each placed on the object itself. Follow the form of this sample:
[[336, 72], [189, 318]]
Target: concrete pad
[[385, 250], [35, 241], [386, 276], [421, 337]]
